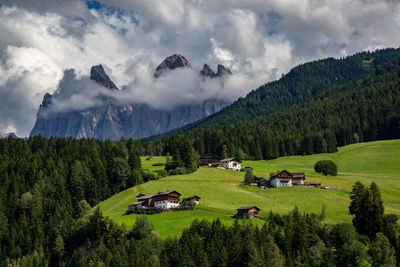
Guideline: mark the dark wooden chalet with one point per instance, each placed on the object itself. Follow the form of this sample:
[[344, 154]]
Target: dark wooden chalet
[[298, 178], [194, 198], [263, 183], [209, 160], [247, 212]]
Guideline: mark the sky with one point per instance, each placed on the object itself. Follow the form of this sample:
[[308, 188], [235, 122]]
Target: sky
[[49, 47]]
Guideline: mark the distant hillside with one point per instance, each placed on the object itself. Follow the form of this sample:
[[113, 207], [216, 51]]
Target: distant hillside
[[301, 84], [364, 109], [221, 192]]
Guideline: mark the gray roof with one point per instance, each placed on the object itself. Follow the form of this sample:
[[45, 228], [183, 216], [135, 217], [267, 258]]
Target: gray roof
[[248, 208], [191, 197], [147, 196], [230, 159]]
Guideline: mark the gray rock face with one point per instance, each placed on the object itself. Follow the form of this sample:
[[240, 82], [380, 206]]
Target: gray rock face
[[98, 75], [171, 63], [130, 121], [221, 71]]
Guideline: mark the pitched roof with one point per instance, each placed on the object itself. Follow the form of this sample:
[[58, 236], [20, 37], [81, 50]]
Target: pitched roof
[[294, 175], [191, 197], [230, 159], [147, 196], [298, 175], [272, 175], [248, 208]]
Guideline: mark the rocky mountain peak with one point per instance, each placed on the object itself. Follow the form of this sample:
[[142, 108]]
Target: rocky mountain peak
[[171, 63], [222, 70], [98, 74], [207, 71], [46, 100]]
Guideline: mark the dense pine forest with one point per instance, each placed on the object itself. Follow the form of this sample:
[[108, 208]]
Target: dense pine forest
[[363, 109], [301, 84]]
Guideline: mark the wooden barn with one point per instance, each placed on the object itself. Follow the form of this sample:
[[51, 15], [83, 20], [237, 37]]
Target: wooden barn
[[209, 160], [247, 212], [195, 199]]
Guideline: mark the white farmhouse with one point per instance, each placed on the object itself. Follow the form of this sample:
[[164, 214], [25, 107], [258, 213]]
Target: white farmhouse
[[285, 178], [231, 163], [161, 200]]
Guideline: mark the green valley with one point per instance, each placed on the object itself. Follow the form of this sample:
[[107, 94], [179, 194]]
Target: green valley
[[221, 191]]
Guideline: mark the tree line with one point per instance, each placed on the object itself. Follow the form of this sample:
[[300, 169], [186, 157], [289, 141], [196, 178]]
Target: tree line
[[364, 109], [295, 239]]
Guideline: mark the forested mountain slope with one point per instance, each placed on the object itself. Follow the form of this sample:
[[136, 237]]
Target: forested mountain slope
[[301, 84], [364, 109]]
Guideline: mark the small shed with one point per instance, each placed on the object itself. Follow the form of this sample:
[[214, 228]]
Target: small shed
[[194, 198], [136, 206], [247, 212]]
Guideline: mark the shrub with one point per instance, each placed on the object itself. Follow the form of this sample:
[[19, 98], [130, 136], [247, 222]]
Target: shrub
[[326, 167], [248, 177], [162, 173], [148, 176]]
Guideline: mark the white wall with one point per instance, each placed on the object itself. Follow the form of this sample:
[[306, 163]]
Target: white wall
[[165, 204], [277, 182], [231, 165]]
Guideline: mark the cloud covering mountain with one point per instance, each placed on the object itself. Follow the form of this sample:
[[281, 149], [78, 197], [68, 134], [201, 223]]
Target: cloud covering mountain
[[257, 40]]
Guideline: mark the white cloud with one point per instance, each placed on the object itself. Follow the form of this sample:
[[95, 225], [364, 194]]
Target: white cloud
[[259, 40]]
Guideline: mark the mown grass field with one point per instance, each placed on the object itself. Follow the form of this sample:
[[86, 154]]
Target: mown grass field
[[221, 191], [147, 164]]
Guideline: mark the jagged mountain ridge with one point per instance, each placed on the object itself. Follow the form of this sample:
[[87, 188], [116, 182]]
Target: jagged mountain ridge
[[7, 135], [130, 121]]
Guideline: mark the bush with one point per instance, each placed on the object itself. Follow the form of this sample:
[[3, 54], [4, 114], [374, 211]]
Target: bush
[[162, 173], [326, 167], [248, 177], [148, 176], [158, 164]]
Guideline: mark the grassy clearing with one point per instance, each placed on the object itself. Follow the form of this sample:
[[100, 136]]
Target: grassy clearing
[[148, 164], [221, 191]]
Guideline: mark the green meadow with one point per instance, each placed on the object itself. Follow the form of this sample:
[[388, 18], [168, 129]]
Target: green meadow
[[148, 163], [221, 191]]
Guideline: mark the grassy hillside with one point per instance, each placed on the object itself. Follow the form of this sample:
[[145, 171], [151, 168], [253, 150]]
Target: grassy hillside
[[147, 165], [221, 191]]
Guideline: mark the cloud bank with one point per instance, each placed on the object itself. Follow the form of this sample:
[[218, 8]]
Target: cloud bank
[[258, 40]]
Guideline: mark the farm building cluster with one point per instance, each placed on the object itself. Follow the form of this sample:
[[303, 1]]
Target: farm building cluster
[[283, 179], [163, 200], [213, 160]]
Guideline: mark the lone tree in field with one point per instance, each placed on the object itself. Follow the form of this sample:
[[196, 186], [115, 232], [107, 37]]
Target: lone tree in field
[[326, 167], [366, 206], [248, 177]]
